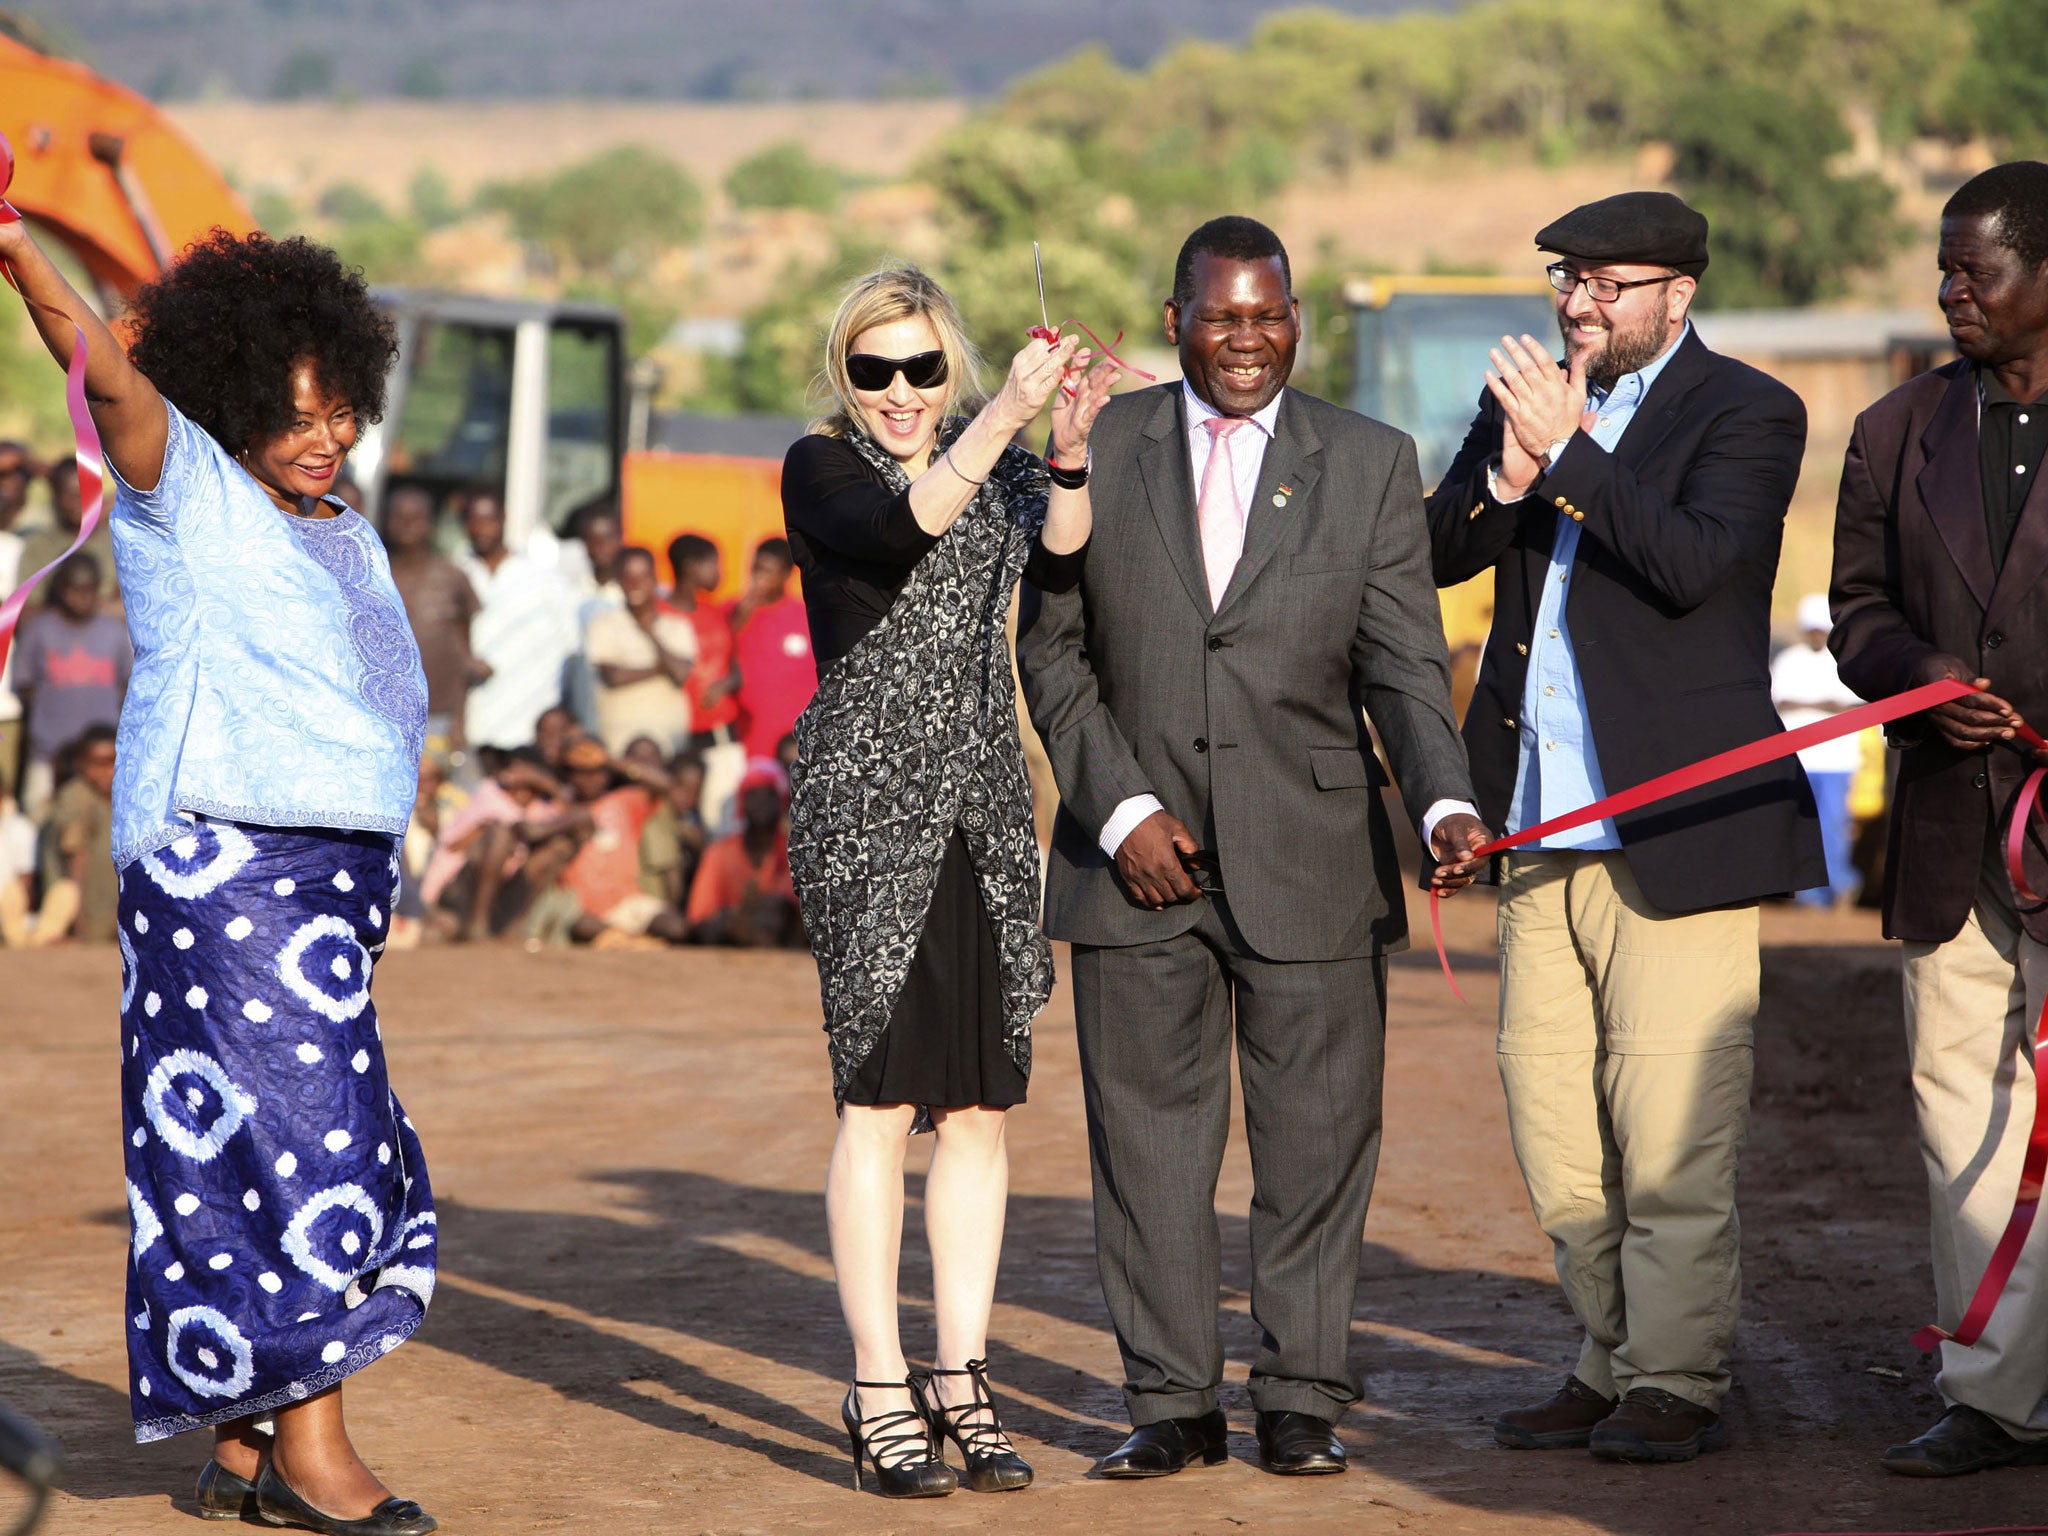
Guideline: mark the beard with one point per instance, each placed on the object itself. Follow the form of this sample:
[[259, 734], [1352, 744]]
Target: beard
[[1627, 349]]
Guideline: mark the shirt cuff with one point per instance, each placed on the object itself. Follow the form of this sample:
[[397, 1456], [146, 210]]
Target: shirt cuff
[[1493, 486], [1437, 813], [1123, 821]]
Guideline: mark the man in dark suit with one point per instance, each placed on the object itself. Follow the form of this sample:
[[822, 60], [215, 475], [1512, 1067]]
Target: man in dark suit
[[1630, 503], [1221, 848], [1941, 543]]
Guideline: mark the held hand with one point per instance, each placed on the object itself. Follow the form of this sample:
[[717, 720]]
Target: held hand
[[1456, 842], [1035, 372], [480, 671], [1543, 404], [1073, 417], [1973, 722], [1149, 861]]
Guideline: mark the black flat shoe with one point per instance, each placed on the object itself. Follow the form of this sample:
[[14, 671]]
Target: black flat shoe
[[276, 1504], [899, 1445], [1161, 1449], [1962, 1440], [1299, 1444], [993, 1465], [224, 1495]]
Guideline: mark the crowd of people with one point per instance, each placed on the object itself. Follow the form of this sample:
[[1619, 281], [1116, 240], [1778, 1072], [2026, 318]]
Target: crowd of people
[[60, 700], [606, 758]]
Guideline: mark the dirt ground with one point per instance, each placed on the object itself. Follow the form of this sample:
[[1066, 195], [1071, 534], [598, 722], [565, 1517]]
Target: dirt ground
[[636, 1328]]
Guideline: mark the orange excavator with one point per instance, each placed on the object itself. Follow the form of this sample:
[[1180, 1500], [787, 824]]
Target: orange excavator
[[528, 396], [106, 173]]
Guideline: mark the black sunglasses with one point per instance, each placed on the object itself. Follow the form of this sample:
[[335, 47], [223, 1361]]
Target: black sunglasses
[[1204, 871], [920, 371]]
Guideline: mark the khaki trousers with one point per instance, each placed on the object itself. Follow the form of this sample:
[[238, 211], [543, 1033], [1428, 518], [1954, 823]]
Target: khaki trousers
[[1971, 1006], [1625, 1050]]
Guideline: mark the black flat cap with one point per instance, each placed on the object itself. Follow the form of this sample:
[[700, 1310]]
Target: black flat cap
[[1653, 228]]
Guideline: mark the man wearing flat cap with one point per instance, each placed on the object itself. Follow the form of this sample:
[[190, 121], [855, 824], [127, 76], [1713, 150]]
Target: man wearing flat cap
[[1629, 501]]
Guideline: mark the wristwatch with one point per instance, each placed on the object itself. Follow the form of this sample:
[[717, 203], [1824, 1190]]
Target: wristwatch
[[1556, 448]]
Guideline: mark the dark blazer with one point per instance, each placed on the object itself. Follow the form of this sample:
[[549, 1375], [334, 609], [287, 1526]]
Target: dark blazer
[[1913, 578], [1670, 616], [1247, 722]]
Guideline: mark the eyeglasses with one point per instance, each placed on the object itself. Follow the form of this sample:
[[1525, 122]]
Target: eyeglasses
[[1602, 290], [922, 370]]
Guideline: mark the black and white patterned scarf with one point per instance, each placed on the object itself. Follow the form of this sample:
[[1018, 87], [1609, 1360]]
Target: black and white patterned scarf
[[912, 733]]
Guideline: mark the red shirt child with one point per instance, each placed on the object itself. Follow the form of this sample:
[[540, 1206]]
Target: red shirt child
[[772, 646]]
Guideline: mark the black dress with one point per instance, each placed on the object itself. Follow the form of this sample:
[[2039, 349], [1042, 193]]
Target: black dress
[[857, 542]]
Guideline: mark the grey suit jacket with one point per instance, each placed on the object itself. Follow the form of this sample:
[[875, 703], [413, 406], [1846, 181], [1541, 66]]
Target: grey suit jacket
[[1247, 721]]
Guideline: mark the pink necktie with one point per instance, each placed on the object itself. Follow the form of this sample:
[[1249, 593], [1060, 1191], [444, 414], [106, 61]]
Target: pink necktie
[[1217, 513]]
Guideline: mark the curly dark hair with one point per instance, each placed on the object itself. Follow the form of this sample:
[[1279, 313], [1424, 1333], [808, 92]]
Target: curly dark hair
[[220, 333]]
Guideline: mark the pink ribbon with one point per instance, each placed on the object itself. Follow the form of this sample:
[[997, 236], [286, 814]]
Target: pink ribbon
[[91, 460]]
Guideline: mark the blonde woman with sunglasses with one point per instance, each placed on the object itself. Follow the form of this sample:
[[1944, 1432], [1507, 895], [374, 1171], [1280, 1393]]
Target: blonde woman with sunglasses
[[912, 515]]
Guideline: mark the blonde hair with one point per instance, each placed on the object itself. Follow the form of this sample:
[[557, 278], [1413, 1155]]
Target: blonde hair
[[899, 291]]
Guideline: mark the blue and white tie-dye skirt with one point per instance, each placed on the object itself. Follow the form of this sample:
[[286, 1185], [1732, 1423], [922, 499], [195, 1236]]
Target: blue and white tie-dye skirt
[[283, 1228]]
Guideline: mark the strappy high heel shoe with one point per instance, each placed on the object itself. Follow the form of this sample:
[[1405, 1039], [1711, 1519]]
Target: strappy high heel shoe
[[899, 1445], [993, 1465]]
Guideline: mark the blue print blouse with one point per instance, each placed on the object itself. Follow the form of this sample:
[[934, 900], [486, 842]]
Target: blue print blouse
[[276, 680]]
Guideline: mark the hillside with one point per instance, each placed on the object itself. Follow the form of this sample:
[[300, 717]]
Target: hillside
[[652, 49]]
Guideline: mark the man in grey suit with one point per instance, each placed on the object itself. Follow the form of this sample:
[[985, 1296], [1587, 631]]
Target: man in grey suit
[[1221, 858]]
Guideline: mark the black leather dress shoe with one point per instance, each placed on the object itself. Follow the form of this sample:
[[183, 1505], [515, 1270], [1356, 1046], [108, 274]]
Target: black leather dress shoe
[[277, 1504], [1156, 1450], [1962, 1440], [224, 1495], [1299, 1444]]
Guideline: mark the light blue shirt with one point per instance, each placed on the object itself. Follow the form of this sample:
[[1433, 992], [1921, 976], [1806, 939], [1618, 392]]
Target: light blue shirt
[[276, 679], [1559, 769]]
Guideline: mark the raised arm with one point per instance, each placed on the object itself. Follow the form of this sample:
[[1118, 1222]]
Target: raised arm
[[942, 492], [1470, 527], [125, 406]]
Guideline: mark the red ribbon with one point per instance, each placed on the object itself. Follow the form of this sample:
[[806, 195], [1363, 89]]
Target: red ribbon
[[2006, 1256], [1050, 335], [91, 475], [2034, 1167], [1720, 766]]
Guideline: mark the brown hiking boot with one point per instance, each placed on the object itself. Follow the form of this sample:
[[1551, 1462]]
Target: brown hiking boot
[[1560, 1423], [1654, 1425]]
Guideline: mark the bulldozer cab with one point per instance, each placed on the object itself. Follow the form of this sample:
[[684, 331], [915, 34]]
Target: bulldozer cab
[[1420, 348], [523, 398]]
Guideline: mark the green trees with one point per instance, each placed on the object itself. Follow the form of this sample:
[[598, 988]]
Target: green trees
[[611, 214], [2003, 89], [1787, 229], [783, 176]]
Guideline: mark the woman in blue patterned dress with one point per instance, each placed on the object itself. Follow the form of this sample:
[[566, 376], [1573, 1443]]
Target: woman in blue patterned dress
[[282, 1226]]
